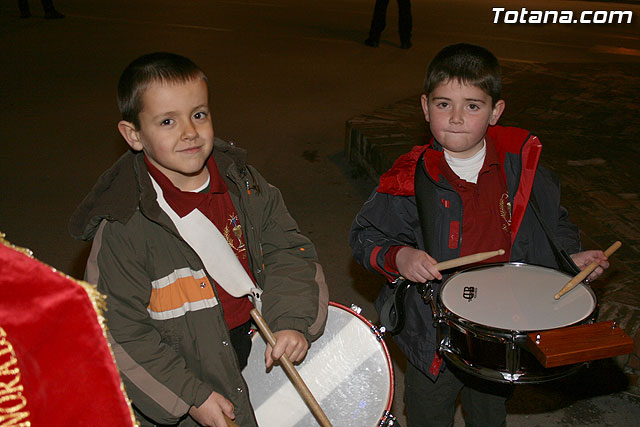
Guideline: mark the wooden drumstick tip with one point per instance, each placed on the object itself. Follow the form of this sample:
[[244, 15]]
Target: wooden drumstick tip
[[230, 422]]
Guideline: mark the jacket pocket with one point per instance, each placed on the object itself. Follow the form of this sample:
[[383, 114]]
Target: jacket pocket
[[282, 233]]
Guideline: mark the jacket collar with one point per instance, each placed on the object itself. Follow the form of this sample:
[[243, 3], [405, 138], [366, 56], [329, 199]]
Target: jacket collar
[[399, 180], [126, 187]]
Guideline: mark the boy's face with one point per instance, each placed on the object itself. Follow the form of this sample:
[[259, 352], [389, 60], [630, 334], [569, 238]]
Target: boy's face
[[176, 132], [459, 115]]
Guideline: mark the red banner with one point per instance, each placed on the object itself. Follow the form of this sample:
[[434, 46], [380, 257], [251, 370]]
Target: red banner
[[56, 368]]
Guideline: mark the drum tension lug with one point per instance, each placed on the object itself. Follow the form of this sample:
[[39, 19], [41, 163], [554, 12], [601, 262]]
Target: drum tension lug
[[426, 292], [379, 332], [387, 420]]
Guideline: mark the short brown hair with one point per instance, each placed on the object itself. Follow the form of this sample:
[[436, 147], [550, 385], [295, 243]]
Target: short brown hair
[[153, 67], [468, 64]]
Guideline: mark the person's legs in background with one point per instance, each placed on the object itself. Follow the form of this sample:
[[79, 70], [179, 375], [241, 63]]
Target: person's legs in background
[[405, 23], [23, 6], [378, 22], [50, 11]]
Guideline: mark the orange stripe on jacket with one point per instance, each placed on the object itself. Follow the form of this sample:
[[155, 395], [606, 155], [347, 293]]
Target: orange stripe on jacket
[[182, 291]]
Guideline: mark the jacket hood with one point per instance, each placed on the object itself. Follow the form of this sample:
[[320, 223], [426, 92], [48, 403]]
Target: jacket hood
[[399, 180], [126, 187]]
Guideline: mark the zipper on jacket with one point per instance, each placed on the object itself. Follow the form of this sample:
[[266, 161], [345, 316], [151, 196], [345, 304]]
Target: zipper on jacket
[[245, 174], [243, 200]]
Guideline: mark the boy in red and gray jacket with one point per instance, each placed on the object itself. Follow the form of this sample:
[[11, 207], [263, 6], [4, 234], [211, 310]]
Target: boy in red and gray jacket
[[465, 192]]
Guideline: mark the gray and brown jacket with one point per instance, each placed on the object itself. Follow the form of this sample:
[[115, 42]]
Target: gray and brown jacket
[[170, 364]]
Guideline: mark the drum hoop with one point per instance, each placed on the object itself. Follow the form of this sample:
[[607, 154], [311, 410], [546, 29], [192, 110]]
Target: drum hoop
[[380, 339], [499, 334], [516, 378], [485, 330]]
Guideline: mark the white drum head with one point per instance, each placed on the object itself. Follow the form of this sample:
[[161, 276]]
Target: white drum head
[[517, 297], [347, 370]]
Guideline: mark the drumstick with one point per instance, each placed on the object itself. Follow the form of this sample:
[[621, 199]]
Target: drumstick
[[292, 373], [230, 422], [587, 271], [469, 259]]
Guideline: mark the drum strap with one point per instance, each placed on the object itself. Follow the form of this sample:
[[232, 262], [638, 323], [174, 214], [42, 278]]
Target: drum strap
[[565, 262], [392, 311], [217, 256]]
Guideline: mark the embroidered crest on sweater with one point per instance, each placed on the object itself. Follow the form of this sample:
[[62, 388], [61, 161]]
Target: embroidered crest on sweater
[[235, 239], [505, 211]]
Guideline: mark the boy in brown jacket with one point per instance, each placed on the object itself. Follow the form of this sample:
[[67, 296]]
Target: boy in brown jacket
[[183, 229]]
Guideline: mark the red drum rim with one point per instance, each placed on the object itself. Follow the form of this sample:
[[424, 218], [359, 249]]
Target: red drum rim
[[383, 344]]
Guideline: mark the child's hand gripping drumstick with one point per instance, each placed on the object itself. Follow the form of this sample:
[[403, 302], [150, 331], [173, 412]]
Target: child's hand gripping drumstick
[[292, 373], [584, 273]]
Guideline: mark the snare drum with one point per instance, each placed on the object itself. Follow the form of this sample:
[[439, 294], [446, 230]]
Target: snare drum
[[348, 370], [485, 313]]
